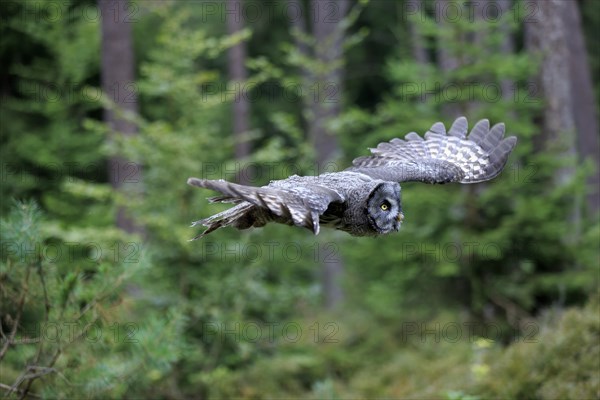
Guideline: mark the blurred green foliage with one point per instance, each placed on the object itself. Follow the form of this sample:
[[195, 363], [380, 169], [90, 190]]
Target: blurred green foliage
[[239, 315], [565, 350]]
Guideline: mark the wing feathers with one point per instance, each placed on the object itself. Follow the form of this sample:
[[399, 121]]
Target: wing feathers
[[479, 157], [290, 206], [479, 132], [438, 128], [494, 137], [413, 136], [222, 219], [458, 128]]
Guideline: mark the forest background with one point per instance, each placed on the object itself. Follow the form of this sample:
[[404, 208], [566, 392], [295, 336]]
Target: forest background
[[488, 291]]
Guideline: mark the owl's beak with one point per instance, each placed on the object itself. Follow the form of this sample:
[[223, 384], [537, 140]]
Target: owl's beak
[[400, 217]]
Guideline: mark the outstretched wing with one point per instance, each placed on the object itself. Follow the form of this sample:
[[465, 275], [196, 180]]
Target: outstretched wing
[[441, 157], [300, 206]]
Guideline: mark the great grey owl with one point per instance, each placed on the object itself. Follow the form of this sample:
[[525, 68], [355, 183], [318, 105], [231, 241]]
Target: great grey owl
[[364, 200]]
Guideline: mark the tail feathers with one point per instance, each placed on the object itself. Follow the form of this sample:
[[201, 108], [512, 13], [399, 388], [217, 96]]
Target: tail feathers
[[222, 219]]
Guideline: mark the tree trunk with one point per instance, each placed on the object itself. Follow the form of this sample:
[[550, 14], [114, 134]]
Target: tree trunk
[[118, 83], [238, 74], [583, 102], [548, 37], [507, 46], [299, 23], [419, 51], [325, 105], [445, 59], [328, 82]]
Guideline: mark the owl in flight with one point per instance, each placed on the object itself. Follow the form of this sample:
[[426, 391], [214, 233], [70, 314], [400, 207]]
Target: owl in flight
[[364, 200]]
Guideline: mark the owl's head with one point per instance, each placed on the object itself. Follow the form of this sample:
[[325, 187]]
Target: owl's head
[[384, 208]]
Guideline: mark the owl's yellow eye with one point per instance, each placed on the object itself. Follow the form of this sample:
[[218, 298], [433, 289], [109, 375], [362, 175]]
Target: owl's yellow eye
[[384, 207]]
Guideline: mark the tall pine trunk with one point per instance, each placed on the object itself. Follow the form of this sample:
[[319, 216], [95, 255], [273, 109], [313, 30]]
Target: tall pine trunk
[[118, 83], [418, 48], [507, 46], [236, 57], [548, 37], [329, 37], [583, 103]]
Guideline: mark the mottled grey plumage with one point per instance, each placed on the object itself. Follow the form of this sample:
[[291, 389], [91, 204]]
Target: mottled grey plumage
[[364, 200]]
